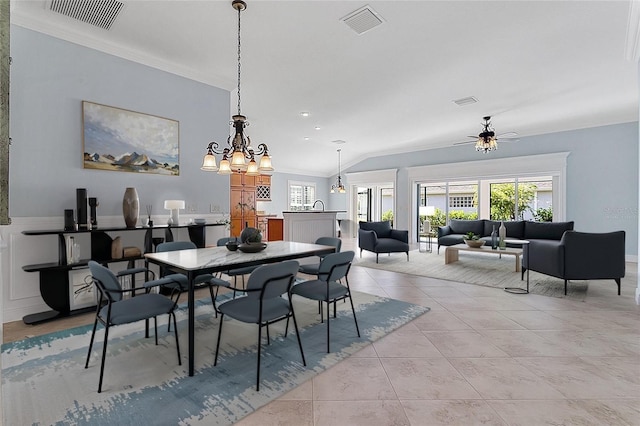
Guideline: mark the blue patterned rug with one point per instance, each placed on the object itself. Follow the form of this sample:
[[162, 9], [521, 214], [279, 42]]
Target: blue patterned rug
[[44, 381]]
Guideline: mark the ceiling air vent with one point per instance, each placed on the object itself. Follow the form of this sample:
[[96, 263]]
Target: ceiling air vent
[[465, 101], [363, 19], [101, 14]]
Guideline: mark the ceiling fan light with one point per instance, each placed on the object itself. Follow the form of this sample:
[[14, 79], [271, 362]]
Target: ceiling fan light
[[252, 168]]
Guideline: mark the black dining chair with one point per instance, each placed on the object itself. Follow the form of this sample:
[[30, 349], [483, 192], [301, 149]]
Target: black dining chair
[[114, 309], [263, 303], [312, 268], [328, 287]]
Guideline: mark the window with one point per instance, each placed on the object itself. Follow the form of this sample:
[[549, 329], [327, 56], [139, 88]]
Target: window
[[461, 201], [301, 195]]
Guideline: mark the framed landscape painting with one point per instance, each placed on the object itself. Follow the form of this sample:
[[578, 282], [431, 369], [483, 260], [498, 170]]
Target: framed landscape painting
[[120, 140]]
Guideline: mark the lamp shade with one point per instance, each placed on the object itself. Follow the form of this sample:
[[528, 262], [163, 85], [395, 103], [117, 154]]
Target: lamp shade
[[209, 163], [174, 204], [427, 210]]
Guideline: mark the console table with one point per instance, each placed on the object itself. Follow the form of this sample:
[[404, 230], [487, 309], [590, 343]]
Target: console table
[[54, 276]]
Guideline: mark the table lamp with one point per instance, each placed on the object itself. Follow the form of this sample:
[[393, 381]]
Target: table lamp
[[175, 206]]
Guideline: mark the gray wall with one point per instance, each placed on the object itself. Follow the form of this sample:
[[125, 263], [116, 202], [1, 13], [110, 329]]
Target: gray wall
[[49, 80], [602, 174]]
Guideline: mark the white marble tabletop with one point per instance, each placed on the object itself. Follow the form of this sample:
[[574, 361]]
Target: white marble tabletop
[[221, 258]]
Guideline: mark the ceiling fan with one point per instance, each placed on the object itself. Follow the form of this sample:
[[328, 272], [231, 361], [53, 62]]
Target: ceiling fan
[[487, 140]]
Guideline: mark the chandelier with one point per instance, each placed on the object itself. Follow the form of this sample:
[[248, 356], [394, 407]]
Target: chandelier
[[338, 187], [239, 150], [487, 138]]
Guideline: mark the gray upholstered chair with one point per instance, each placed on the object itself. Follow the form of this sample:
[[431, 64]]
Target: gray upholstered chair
[[113, 309], [312, 268], [263, 303], [238, 272], [176, 284], [578, 256], [379, 237], [328, 288]]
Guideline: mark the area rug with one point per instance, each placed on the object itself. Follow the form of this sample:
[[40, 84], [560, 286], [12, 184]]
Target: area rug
[[480, 269], [44, 381]]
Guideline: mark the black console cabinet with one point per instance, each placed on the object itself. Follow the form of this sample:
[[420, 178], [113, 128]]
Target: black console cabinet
[[54, 276]]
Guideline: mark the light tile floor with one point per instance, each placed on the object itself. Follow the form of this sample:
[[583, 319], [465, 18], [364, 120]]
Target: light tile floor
[[481, 356]]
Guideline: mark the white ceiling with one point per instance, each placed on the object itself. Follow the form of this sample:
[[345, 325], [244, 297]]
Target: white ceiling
[[535, 67]]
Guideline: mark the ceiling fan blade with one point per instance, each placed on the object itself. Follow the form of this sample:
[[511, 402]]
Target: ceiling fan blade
[[464, 143], [507, 135]]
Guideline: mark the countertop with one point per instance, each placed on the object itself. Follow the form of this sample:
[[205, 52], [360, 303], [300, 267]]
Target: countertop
[[316, 211]]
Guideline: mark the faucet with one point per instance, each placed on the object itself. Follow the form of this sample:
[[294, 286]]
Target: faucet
[[318, 201]]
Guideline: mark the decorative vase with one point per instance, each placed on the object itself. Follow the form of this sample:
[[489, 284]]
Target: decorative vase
[[494, 238], [130, 207], [502, 234], [81, 207]]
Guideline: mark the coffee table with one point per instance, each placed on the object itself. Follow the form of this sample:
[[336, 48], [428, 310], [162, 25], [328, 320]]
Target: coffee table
[[451, 253]]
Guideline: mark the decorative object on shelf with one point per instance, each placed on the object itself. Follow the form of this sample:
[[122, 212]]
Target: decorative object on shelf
[[338, 187], [131, 252], [234, 157], [73, 250], [130, 207], [175, 206], [116, 248], [502, 233], [158, 153], [93, 204], [199, 221], [81, 208], [473, 240], [149, 208], [69, 221], [252, 247], [494, 238]]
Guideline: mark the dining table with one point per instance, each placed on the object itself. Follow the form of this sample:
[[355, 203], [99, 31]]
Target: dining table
[[194, 262]]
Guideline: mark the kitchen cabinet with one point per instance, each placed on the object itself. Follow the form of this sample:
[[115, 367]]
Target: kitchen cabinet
[[263, 188], [242, 203]]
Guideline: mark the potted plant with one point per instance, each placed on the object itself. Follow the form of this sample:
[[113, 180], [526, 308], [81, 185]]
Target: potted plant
[[473, 240]]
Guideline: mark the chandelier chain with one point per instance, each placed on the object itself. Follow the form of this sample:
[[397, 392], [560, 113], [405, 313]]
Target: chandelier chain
[[239, 14]]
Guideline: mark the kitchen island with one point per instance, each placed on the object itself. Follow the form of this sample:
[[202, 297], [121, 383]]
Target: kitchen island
[[306, 226]]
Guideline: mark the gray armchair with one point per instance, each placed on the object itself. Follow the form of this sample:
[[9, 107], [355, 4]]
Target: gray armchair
[[379, 237], [578, 256]]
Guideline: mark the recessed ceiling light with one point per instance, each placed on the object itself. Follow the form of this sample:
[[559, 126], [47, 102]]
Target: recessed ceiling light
[[339, 142], [304, 113], [317, 127], [306, 138]]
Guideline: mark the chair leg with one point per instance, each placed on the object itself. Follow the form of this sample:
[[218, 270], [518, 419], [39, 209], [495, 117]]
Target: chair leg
[[176, 302], [618, 282], [295, 325], [155, 328], [175, 330], [268, 337], [407, 256], [93, 334], [215, 360], [328, 331], [259, 347], [104, 355], [376, 257], [565, 287], [213, 298], [354, 314]]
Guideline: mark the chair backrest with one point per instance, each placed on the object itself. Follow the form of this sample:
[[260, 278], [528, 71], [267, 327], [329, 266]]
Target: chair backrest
[[175, 245], [105, 280], [382, 228], [329, 241], [274, 280], [335, 266]]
